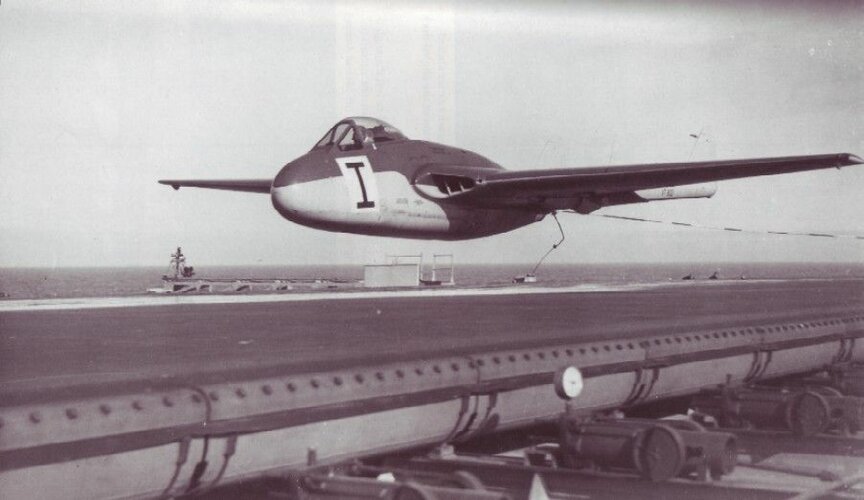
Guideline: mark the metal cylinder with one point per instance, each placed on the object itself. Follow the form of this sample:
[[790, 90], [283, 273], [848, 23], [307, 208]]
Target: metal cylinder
[[714, 451], [804, 412], [654, 451], [807, 413]]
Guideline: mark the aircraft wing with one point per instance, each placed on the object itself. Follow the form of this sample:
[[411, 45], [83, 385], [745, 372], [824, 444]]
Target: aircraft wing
[[247, 185], [543, 187]]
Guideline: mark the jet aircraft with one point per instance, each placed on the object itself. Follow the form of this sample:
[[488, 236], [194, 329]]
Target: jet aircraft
[[364, 176]]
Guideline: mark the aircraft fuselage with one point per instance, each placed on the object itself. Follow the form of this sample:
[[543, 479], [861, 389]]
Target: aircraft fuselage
[[371, 189]]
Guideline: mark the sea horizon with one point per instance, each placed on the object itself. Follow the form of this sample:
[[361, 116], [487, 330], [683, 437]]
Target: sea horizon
[[113, 281]]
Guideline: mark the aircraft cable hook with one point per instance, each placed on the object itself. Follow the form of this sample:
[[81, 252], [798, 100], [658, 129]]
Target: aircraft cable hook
[[554, 246]]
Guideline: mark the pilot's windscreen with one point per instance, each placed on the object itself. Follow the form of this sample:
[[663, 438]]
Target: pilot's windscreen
[[349, 141], [333, 135], [328, 137]]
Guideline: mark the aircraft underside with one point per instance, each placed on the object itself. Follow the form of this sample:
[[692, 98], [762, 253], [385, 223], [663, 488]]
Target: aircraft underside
[[393, 209]]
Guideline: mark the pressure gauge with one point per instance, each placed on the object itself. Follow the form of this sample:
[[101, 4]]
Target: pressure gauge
[[568, 382]]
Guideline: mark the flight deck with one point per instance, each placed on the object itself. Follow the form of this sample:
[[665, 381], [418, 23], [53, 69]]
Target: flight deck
[[51, 344], [144, 392]]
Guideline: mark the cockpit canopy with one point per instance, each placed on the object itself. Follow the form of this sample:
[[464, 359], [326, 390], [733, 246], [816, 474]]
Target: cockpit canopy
[[351, 133]]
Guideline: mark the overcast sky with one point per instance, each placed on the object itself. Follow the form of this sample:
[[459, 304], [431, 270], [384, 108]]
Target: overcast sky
[[98, 100]]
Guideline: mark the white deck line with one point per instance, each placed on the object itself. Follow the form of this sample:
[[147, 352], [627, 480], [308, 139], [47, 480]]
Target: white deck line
[[161, 300], [73, 303]]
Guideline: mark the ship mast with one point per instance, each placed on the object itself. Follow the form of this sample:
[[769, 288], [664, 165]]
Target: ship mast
[[178, 267]]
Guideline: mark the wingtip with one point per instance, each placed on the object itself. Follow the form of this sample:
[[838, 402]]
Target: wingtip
[[854, 159], [173, 185]]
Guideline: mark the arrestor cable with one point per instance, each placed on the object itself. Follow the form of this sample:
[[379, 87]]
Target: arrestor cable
[[730, 229], [554, 246]]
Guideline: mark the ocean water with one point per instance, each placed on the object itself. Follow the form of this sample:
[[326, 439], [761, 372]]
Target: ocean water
[[30, 283]]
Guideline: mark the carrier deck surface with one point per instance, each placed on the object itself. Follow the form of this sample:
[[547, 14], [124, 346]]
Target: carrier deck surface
[[49, 345]]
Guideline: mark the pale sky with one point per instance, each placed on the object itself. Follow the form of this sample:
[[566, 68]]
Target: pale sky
[[98, 100]]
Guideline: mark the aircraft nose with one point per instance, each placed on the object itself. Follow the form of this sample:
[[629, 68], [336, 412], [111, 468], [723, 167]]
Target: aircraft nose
[[281, 198], [284, 177], [280, 194]]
